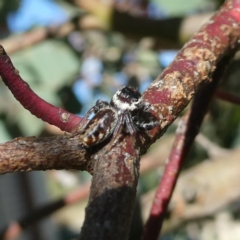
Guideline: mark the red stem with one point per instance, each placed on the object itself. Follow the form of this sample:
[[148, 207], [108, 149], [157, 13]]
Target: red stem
[[167, 184], [37, 106], [186, 132], [228, 97]]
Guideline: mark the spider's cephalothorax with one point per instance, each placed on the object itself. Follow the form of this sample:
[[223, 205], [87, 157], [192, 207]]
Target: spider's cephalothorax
[[126, 99], [124, 112]]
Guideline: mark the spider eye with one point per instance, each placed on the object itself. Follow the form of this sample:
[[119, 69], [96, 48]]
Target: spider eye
[[135, 99], [131, 93]]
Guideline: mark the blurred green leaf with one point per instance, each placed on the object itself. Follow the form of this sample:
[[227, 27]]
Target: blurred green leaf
[[182, 7], [6, 7], [4, 136]]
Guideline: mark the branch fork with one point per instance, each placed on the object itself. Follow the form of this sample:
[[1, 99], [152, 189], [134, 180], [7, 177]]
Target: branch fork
[[115, 166]]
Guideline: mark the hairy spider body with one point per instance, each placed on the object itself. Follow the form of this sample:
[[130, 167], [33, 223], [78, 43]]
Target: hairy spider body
[[124, 112]]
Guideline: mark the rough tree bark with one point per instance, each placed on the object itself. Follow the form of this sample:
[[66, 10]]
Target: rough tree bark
[[115, 166]]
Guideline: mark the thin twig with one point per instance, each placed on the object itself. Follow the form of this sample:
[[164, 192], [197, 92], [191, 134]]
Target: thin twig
[[227, 96], [17, 42], [212, 148], [201, 192]]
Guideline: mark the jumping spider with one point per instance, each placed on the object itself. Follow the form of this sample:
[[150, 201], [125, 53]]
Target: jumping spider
[[125, 111]]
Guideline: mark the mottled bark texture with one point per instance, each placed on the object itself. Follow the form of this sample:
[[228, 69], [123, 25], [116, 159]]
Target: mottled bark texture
[[114, 163], [113, 191], [194, 65], [31, 154], [167, 96], [174, 88]]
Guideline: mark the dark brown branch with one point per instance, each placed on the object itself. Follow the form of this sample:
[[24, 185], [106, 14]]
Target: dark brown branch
[[17, 226], [140, 26], [113, 190], [31, 154]]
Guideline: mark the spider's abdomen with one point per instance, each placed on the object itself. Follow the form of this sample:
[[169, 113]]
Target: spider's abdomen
[[99, 128]]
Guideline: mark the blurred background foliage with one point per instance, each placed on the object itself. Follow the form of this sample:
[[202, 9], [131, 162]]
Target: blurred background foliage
[[90, 63]]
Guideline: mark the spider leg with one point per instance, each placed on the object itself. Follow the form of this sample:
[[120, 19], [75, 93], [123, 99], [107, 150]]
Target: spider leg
[[129, 124], [145, 121], [124, 120], [93, 110], [119, 125], [101, 104], [98, 106]]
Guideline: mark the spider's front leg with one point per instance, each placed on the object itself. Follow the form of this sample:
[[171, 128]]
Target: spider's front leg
[[145, 120], [97, 107], [93, 110], [129, 124], [124, 121]]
